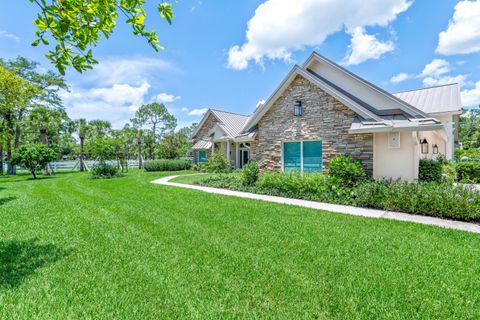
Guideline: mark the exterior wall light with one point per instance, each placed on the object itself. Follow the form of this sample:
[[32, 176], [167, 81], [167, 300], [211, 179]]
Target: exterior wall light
[[435, 149], [298, 108], [424, 146]]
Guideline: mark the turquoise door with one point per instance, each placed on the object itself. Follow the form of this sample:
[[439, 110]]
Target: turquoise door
[[292, 160], [202, 155]]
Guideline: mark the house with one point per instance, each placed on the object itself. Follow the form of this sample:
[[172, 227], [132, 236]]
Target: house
[[321, 110]]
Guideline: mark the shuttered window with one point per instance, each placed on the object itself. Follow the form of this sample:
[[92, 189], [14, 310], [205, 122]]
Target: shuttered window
[[303, 156]]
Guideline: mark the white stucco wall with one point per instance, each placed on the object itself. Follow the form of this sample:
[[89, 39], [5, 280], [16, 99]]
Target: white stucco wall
[[395, 163], [448, 122]]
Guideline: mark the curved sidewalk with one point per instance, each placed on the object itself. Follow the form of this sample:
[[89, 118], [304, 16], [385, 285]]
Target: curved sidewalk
[[356, 211]]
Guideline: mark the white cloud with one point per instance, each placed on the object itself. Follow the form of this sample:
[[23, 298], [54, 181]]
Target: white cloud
[[280, 27], [116, 103], [197, 112], [184, 109], [435, 74], [471, 98], [126, 70], [116, 88], [364, 47], [165, 98], [8, 35], [462, 33], [436, 68], [431, 81], [402, 76]]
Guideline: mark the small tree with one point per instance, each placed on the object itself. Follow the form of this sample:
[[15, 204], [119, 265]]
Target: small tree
[[103, 149], [34, 157], [346, 170], [173, 146], [218, 163]]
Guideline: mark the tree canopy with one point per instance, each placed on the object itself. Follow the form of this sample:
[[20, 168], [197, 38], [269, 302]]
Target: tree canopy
[[76, 26]]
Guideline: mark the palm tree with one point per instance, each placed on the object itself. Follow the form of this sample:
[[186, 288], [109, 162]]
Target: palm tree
[[82, 129]]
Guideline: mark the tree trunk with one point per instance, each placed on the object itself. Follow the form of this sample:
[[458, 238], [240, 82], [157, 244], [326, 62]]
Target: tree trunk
[[140, 165], [44, 140], [2, 161], [82, 165], [11, 169], [34, 174]]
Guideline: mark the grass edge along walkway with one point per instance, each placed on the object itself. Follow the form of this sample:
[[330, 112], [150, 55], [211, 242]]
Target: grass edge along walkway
[[350, 210]]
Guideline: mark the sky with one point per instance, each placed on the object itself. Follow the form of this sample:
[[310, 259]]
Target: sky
[[230, 55]]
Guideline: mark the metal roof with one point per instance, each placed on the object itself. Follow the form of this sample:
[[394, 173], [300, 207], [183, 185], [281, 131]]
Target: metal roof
[[445, 98], [231, 123], [202, 144]]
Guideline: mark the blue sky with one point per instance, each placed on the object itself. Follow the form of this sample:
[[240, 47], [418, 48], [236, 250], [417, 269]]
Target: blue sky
[[210, 62]]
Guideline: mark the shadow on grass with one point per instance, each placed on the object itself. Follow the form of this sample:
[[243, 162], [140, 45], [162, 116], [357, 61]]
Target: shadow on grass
[[25, 176], [6, 200], [21, 258]]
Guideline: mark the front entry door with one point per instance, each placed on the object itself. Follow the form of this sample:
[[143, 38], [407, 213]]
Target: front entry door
[[244, 157]]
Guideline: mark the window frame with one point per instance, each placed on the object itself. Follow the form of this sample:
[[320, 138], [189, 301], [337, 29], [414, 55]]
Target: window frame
[[301, 153]]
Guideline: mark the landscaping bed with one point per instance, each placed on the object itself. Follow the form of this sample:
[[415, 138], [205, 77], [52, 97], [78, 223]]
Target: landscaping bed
[[347, 185]]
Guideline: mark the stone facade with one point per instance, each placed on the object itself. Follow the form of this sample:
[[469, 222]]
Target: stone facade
[[323, 118], [202, 134]]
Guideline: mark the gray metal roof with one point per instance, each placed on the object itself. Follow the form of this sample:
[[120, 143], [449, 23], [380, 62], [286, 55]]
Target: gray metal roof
[[231, 123], [437, 99], [202, 144]]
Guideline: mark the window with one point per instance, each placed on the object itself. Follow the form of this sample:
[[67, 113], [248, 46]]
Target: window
[[202, 155], [298, 108], [312, 156], [304, 156], [291, 156]]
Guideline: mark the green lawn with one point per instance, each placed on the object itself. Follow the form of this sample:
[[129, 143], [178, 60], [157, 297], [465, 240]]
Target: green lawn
[[71, 247]]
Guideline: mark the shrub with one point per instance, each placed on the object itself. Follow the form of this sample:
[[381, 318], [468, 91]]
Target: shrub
[[430, 170], [167, 165], [233, 181], [104, 171], [468, 172], [197, 167], [449, 173], [348, 172], [471, 154], [218, 163], [426, 198], [34, 157], [309, 186], [250, 173]]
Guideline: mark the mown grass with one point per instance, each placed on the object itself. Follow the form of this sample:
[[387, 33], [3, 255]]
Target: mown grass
[[72, 247]]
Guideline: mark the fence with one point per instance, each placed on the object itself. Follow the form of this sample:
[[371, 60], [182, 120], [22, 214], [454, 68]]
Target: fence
[[74, 165]]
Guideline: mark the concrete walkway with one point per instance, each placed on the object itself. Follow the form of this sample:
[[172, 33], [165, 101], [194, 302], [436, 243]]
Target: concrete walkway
[[356, 211]]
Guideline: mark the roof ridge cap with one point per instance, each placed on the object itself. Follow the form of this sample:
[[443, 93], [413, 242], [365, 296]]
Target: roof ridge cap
[[426, 88]]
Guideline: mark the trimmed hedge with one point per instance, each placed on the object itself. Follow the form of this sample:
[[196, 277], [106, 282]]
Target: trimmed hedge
[[426, 198], [167, 165], [468, 172], [430, 170]]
